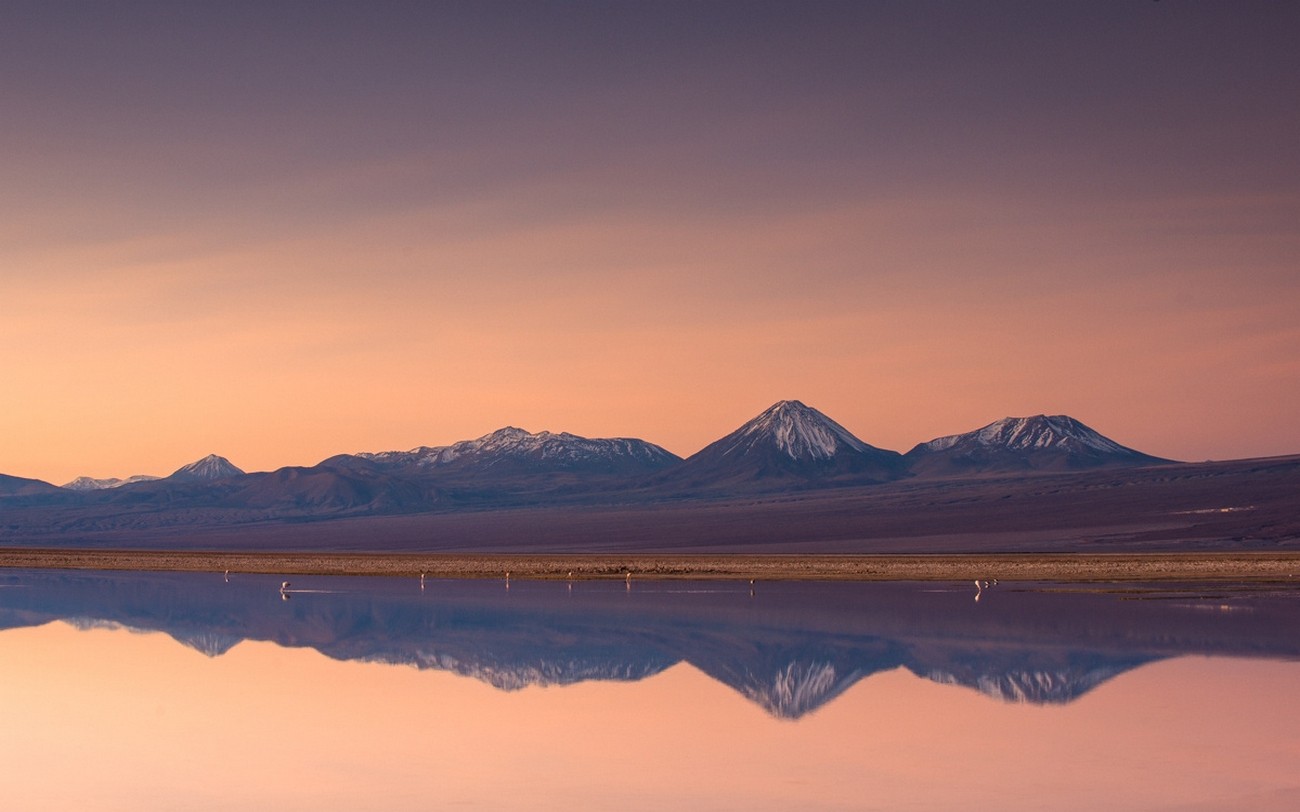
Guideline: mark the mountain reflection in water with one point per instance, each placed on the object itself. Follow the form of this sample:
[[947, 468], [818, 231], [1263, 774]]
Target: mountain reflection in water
[[790, 647]]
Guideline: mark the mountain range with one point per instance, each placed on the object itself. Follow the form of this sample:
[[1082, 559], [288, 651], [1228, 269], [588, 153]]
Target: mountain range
[[788, 448], [787, 444]]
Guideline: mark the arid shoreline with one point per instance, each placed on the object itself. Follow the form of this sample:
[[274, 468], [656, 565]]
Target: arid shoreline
[[1080, 567]]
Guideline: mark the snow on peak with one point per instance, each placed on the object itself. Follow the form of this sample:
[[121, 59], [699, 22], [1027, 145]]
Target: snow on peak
[[85, 483], [210, 467], [516, 442], [800, 431], [509, 435], [1033, 433]]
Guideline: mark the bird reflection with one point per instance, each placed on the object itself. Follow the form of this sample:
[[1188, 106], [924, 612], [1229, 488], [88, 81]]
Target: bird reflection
[[980, 586]]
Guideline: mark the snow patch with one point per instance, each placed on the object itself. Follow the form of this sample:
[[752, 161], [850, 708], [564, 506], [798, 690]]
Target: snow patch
[[512, 442], [85, 483], [797, 430], [209, 468], [1039, 432]]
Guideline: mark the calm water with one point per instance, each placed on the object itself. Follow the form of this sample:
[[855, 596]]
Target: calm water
[[167, 691]]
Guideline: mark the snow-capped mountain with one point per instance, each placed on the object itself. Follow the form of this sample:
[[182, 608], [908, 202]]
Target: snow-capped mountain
[[1040, 442], [85, 483], [512, 447], [209, 468], [788, 447], [790, 441], [798, 431]]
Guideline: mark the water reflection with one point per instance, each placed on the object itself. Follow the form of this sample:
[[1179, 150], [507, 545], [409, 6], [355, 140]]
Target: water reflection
[[661, 696], [790, 648]]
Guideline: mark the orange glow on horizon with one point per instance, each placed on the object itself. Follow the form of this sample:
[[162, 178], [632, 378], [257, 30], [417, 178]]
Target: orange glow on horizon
[[290, 351]]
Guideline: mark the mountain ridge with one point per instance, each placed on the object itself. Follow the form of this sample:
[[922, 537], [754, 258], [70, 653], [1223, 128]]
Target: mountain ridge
[[86, 483], [545, 449], [788, 448], [1038, 442], [788, 427]]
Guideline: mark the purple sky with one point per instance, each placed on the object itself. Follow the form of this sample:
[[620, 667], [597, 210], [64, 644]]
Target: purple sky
[[279, 231]]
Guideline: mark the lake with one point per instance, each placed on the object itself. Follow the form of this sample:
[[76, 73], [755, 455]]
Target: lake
[[183, 691]]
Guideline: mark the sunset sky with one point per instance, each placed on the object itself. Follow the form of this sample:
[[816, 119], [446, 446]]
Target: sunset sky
[[283, 230]]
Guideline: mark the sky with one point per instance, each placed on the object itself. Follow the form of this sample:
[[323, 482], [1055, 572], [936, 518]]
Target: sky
[[278, 231]]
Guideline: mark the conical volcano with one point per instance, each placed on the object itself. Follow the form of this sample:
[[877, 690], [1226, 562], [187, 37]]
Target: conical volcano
[[209, 468], [787, 445]]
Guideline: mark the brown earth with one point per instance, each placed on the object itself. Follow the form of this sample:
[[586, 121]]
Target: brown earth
[[1238, 567]]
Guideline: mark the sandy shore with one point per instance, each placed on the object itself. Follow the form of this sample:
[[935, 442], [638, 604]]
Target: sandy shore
[[1245, 566]]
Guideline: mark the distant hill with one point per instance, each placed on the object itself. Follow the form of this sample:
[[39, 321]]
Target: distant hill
[[85, 483], [20, 486], [1037, 443], [323, 490]]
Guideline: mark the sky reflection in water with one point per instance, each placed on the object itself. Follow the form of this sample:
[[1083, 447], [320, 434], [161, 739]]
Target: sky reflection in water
[[698, 696]]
